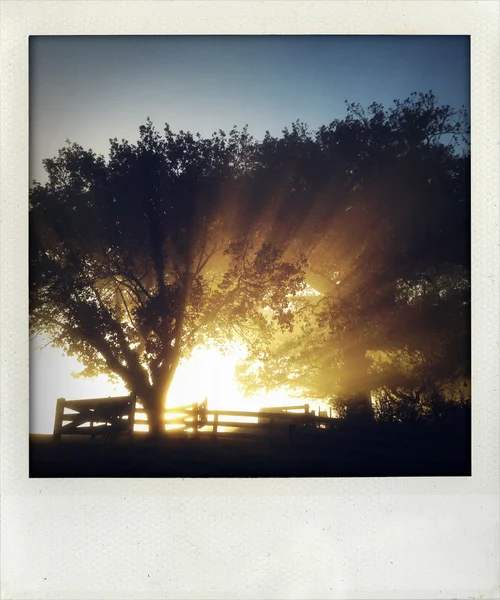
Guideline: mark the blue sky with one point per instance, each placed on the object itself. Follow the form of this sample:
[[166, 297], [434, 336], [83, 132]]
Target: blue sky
[[91, 88]]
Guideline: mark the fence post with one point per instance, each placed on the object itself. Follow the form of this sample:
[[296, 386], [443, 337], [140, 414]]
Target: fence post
[[58, 421], [216, 423], [131, 414], [196, 418]]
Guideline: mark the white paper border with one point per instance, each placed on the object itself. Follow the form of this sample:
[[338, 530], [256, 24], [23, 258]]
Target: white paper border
[[239, 538]]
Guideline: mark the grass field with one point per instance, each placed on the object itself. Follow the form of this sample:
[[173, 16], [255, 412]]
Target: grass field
[[354, 452]]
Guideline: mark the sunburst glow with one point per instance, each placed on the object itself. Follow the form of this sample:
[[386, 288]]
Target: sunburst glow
[[208, 374]]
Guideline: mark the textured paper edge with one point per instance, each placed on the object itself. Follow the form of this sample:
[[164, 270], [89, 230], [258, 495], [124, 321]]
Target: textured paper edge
[[339, 500]]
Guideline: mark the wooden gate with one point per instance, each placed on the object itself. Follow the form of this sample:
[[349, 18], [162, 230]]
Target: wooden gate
[[96, 416], [112, 416], [188, 417]]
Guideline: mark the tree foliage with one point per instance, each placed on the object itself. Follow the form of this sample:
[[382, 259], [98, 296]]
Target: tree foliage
[[134, 261], [178, 241], [384, 220]]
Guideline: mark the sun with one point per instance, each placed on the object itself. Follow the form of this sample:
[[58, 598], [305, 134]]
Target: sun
[[209, 373]]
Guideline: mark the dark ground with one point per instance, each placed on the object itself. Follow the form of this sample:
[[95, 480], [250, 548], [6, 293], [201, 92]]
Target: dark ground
[[376, 451]]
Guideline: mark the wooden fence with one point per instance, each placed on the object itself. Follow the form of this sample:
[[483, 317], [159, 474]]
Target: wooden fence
[[112, 416], [96, 416]]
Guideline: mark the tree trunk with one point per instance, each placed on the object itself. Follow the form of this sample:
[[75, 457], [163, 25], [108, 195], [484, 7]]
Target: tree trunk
[[156, 425], [154, 397], [355, 383], [360, 407], [154, 405]]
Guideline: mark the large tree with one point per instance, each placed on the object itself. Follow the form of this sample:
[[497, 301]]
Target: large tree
[[166, 245], [380, 203], [137, 259]]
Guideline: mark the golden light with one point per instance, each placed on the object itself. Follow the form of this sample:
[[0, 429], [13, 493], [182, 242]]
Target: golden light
[[208, 374]]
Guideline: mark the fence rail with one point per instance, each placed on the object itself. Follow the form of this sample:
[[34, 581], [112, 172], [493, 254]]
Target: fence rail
[[95, 416], [112, 416]]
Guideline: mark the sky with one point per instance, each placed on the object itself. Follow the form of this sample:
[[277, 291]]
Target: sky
[[89, 89]]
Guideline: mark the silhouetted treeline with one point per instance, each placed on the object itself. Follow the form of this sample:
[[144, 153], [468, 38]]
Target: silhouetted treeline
[[340, 258]]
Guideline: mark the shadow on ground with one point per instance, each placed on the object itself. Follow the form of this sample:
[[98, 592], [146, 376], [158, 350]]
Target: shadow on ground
[[375, 451]]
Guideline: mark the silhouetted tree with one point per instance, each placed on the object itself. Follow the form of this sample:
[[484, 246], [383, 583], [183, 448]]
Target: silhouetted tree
[[178, 241], [136, 260], [380, 203]]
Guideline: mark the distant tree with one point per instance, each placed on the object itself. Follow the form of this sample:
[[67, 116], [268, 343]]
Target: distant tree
[[380, 204], [136, 260]]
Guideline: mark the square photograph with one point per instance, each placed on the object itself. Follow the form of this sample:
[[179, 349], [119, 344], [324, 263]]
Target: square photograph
[[250, 256]]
